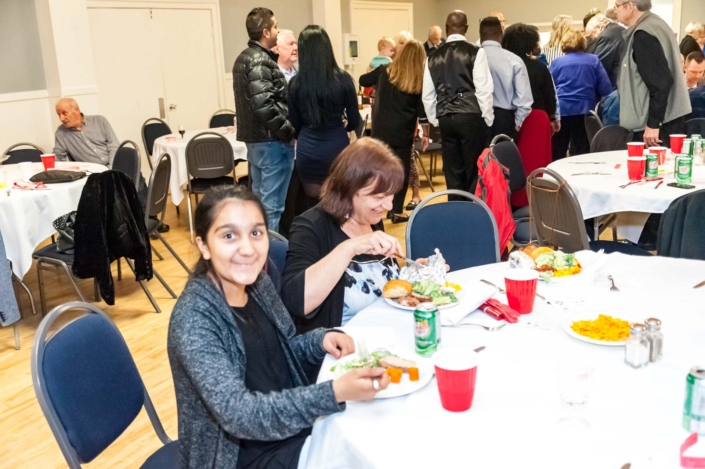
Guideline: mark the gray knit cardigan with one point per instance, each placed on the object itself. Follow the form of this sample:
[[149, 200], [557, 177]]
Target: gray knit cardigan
[[207, 356]]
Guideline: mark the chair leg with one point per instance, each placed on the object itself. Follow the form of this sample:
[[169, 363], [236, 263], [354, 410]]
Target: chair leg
[[154, 250], [173, 253], [596, 221], [16, 329], [29, 293], [73, 282], [420, 165], [177, 211], [166, 286], [190, 216], [96, 290], [119, 265], [40, 278], [143, 284]]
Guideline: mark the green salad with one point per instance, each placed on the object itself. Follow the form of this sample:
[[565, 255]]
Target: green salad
[[439, 294], [341, 368]]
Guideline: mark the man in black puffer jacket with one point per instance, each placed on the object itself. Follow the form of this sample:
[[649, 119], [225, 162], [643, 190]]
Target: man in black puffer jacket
[[260, 102]]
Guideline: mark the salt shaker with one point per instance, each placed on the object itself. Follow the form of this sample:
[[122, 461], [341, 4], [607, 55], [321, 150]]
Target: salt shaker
[[655, 337], [637, 347]]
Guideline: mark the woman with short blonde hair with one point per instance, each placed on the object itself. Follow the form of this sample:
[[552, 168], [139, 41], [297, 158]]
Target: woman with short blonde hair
[[694, 38], [397, 107], [561, 25]]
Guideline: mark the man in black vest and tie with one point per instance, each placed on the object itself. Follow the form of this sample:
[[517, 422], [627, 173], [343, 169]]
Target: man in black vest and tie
[[457, 96]]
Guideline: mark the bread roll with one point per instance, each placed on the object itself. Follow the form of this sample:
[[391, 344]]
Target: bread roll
[[538, 251], [396, 289]]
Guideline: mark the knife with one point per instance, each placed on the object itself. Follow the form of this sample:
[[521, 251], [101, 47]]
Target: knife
[[586, 162], [700, 284]]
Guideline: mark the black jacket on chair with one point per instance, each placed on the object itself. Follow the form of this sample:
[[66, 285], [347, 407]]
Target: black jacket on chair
[[260, 96], [109, 225], [682, 229]]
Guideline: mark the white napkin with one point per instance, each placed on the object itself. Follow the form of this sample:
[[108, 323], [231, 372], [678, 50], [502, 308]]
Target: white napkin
[[472, 296]]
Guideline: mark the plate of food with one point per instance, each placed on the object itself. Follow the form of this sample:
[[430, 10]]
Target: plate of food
[[408, 372], [404, 294], [598, 328], [549, 263]]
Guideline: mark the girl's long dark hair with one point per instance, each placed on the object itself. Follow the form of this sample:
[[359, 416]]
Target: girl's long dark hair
[[317, 70], [208, 210]]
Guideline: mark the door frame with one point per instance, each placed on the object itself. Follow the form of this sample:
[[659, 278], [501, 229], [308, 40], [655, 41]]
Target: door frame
[[209, 5], [369, 5]]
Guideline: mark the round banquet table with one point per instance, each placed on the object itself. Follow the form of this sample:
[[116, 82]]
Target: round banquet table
[[600, 194], [26, 216], [517, 418], [175, 146]]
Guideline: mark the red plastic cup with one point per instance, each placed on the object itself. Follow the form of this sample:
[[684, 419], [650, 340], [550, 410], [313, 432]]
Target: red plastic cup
[[661, 152], [636, 165], [49, 161], [456, 371], [635, 148], [677, 143], [521, 289]]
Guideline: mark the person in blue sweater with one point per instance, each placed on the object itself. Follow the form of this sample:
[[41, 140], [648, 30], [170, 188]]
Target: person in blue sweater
[[581, 81], [239, 368]]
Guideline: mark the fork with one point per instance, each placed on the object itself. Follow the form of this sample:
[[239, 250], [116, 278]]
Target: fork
[[472, 324], [613, 287], [628, 184]]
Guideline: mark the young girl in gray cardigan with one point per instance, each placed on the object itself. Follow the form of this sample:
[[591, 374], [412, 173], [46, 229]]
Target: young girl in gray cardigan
[[239, 368]]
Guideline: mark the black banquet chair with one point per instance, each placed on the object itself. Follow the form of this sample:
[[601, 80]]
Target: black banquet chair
[[89, 388], [464, 231], [152, 129], [209, 161], [680, 232], [433, 150], [593, 124], [22, 153], [127, 160], [611, 138], [222, 118], [695, 126]]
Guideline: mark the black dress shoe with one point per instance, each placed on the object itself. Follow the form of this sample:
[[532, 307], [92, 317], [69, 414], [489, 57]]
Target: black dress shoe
[[399, 218], [412, 205], [163, 228]]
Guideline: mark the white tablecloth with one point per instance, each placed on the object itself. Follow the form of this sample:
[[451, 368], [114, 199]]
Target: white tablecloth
[[176, 148], [631, 416], [601, 195], [26, 216]]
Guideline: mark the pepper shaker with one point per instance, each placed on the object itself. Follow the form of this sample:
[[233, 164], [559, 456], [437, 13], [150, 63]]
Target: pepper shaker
[[637, 347], [655, 337]]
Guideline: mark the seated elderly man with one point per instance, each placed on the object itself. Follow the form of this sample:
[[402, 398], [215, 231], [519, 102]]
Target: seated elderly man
[[85, 138]]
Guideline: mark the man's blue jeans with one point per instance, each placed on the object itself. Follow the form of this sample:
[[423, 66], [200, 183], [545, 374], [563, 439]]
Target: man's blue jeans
[[271, 164]]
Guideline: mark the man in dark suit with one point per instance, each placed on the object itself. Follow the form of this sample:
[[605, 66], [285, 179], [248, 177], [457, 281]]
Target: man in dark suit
[[435, 40], [607, 44]]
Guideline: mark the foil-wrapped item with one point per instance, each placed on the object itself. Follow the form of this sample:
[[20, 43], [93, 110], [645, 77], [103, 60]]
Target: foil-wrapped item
[[435, 270], [521, 260]]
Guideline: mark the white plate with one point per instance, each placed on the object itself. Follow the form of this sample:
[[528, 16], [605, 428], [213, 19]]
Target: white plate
[[459, 295], [426, 372], [589, 317]]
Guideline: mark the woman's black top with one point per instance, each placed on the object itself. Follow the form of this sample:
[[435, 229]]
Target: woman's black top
[[394, 113], [688, 45], [542, 87], [266, 371], [340, 101], [313, 236]]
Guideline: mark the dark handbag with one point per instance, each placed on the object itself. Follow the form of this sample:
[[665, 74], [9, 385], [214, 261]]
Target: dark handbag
[[64, 225], [56, 176]]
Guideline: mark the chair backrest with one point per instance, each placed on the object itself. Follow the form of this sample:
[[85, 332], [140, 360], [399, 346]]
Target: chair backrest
[[278, 246], [556, 211], [128, 161], [610, 138], [152, 129], [87, 384], [222, 118], [464, 231], [22, 155], [209, 155], [508, 155], [158, 189], [360, 131], [680, 231], [593, 124], [695, 126]]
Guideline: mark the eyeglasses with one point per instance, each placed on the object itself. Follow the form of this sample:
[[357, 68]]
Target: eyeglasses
[[617, 5]]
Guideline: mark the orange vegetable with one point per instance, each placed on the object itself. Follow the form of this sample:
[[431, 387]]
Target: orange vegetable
[[389, 371], [395, 375], [413, 374]]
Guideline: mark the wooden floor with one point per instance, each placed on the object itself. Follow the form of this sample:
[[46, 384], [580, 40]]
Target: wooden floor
[[25, 437]]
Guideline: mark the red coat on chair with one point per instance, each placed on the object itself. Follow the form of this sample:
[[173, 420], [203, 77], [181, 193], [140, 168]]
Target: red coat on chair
[[534, 143], [493, 189]]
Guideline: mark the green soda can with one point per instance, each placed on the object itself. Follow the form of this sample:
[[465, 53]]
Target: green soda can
[[427, 332], [688, 147], [694, 408], [684, 170], [696, 137], [651, 166]]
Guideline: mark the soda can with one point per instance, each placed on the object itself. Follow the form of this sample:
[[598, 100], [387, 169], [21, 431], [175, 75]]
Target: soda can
[[687, 147], [651, 166], [696, 137], [694, 408], [684, 170], [426, 328]]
